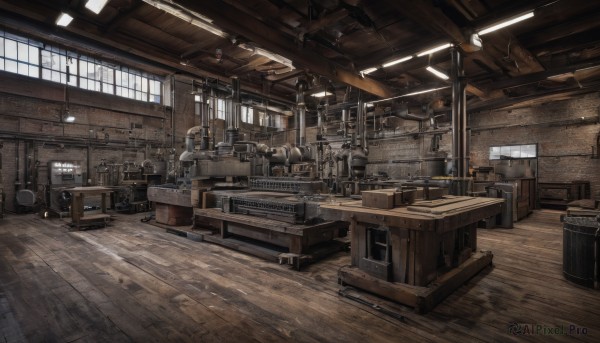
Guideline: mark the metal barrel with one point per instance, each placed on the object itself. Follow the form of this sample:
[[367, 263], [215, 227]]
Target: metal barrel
[[580, 251]]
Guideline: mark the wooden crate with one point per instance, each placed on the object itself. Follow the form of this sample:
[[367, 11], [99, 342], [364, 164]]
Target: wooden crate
[[379, 199], [387, 198], [173, 214]]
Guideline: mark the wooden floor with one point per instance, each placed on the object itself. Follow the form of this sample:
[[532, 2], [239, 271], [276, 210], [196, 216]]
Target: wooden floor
[[135, 282]]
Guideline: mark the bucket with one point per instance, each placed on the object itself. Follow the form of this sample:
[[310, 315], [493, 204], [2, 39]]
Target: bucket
[[581, 251]]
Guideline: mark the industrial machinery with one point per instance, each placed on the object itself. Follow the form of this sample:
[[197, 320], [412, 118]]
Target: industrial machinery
[[61, 176], [131, 186]]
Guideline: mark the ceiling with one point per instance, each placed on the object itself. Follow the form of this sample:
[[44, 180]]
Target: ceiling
[[552, 56]]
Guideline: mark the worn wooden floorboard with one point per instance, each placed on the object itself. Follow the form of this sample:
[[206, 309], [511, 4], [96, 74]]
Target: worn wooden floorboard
[[135, 282]]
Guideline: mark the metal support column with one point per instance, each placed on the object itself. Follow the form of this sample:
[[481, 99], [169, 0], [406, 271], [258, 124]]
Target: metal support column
[[460, 153]]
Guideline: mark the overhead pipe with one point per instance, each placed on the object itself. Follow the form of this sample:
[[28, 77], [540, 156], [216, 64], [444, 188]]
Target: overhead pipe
[[460, 153]]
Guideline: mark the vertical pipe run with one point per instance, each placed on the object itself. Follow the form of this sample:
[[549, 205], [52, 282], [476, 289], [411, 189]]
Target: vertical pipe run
[[360, 121], [460, 153], [172, 111], [236, 104], [213, 113], [204, 121], [301, 86]]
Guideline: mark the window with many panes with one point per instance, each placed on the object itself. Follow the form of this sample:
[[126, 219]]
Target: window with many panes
[[513, 151], [34, 59], [59, 66], [19, 55]]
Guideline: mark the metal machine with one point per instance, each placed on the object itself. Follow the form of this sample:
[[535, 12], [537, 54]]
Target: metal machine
[[130, 185], [61, 176]]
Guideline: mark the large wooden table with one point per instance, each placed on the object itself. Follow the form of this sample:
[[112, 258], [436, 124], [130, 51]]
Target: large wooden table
[[416, 254]]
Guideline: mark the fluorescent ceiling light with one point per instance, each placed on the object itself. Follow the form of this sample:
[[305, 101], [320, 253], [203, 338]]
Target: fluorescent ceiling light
[[64, 19], [190, 16], [426, 91], [394, 62], [96, 6], [270, 55], [505, 23], [432, 50], [321, 94], [437, 73], [410, 94], [368, 71]]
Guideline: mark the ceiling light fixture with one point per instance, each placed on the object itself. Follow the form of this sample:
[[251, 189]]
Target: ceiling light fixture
[[189, 16], [506, 23], [64, 19], [426, 91], [437, 73], [321, 94], [432, 50], [409, 94], [68, 118], [95, 6], [394, 62], [270, 55], [368, 71]]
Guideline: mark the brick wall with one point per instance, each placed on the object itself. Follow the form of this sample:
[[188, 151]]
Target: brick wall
[[564, 139]]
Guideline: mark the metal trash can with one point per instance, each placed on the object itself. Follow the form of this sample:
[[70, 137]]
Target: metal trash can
[[581, 251]]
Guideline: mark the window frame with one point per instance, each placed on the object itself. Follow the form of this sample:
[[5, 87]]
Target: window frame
[[510, 148]]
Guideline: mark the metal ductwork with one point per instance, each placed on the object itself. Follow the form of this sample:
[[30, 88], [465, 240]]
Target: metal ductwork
[[190, 138], [401, 111]]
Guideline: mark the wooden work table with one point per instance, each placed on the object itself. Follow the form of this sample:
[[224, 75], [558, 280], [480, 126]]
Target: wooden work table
[[416, 254], [78, 195], [439, 215]]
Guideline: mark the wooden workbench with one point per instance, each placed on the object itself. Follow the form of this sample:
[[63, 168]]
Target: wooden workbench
[[77, 206], [416, 254], [293, 244]]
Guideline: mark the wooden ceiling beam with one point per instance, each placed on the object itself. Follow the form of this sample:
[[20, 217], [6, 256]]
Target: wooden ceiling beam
[[509, 54], [533, 98], [122, 16], [541, 76], [424, 13], [232, 19], [433, 18], [562, 30], [327, 20]]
